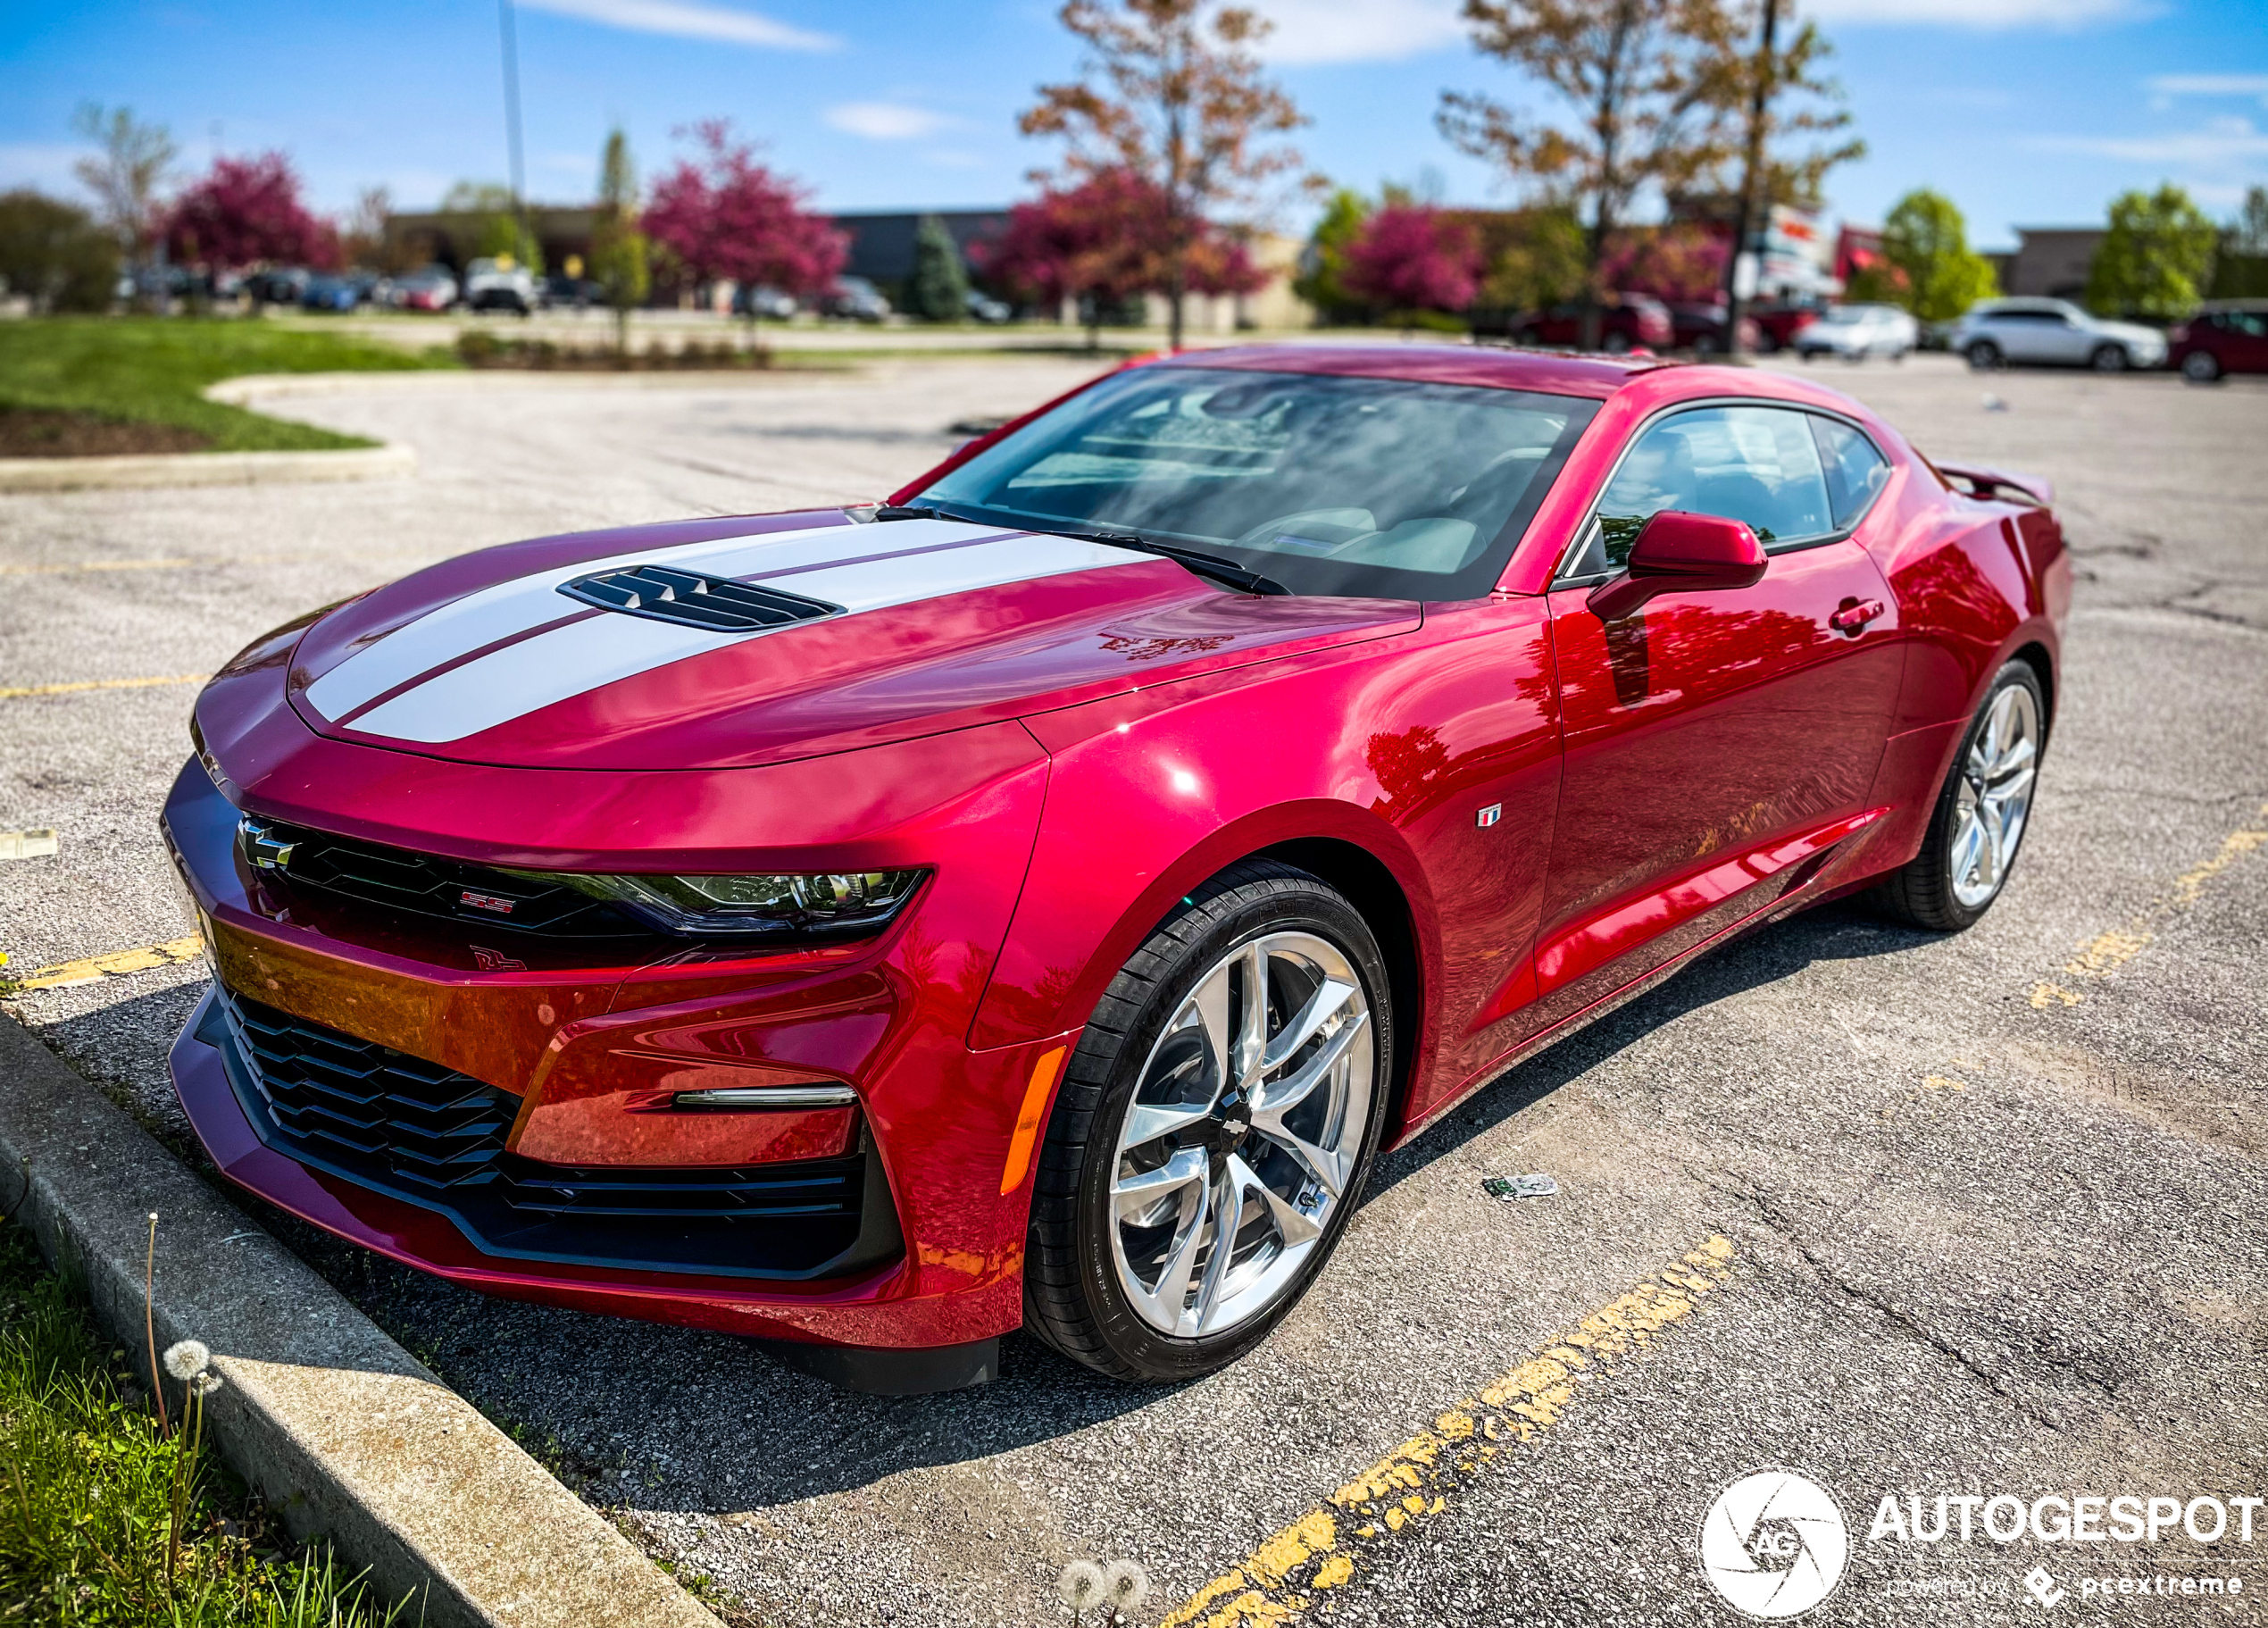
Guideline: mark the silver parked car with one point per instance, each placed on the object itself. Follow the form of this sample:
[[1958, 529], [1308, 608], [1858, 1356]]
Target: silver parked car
[[2056, 332], [1855, 332]]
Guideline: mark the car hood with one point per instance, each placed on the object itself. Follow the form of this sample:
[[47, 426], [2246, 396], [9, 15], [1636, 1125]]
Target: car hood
[[2133, 333], [927, 625]]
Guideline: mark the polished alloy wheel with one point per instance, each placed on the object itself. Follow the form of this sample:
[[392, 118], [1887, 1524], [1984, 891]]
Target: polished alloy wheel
[[1994, 796], [1242, 1135]]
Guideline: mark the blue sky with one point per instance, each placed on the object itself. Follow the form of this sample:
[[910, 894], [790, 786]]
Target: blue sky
[[2026, 111]]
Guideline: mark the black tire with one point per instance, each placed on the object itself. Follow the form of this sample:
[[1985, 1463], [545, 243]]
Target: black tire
[[2201, 367], [1920, 893], [2110, 359], [1983, 355], [1073, 1297]]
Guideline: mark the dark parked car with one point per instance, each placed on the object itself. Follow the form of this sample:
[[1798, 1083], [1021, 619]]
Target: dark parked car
[[2230, 337], [1628, 322], [1700, 327], [277, 285]]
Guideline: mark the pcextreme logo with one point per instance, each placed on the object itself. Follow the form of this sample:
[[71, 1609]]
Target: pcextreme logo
[[1775, 1544]]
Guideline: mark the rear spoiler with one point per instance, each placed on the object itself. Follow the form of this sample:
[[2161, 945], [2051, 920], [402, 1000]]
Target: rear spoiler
[[1998, 485]]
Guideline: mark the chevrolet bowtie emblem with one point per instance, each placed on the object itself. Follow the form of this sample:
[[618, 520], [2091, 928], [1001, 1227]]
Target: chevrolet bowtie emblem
[[263, 849]]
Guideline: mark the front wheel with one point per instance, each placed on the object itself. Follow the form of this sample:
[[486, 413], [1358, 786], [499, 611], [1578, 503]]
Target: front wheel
[[2200, 367], [1214, 1129], [1984, 355], [1981, 812], [2110, 359]]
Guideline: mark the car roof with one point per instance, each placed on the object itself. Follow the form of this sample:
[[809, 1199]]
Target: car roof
[[1501, 367]]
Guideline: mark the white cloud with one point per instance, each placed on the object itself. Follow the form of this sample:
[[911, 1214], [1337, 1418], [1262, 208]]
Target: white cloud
[[688, 19], [2222, 144], [2167, 85], [886, 121], [2061, 14], [1358, 30]]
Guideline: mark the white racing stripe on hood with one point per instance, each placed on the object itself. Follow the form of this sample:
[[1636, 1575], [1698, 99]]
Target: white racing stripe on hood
[[503, 609], [551, 667]]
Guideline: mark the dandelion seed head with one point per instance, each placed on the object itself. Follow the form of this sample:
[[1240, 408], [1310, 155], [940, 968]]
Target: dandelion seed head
[[1080, 1585], [1126, 1584], [205, 1383], [187, 1359]]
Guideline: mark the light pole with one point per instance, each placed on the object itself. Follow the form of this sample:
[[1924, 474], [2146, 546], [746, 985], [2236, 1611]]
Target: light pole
[[1752, 173], [511, 113]]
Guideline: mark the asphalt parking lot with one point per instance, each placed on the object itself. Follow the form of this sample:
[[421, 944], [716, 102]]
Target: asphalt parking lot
[[1971, 1216]]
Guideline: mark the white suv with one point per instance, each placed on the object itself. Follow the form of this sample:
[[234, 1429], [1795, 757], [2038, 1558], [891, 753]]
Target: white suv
[[2053, 330]]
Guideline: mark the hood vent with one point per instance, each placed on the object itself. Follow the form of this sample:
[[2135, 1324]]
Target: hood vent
[[692, 600]]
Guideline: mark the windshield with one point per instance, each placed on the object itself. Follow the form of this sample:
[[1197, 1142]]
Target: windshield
[[1330, 485]]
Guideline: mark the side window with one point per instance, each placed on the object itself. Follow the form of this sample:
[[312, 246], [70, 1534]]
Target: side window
[[1757, 464], [1856, 470]]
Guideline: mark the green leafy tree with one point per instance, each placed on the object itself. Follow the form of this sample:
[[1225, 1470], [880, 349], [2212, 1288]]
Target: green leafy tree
[[940, 288], [504, 229], [54, 254], [2240, 271], [2156, 257], [621, 259], [1535, 257], [1322, 263], [1926, 239]]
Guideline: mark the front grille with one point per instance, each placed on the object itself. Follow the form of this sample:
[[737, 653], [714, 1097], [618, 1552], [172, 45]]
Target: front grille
[[428, 885], [689, 599], [418, 1132]]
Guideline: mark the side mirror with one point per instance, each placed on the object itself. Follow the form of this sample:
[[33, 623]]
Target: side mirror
[[1680, 553]]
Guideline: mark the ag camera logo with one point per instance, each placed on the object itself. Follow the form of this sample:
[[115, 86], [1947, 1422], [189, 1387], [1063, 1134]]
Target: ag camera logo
[[1774, 1545]]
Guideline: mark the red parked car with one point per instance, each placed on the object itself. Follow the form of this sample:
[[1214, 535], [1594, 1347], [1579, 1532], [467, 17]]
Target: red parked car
[[1037, 901], [1628, 322], [2226, 336], [1779, 325]]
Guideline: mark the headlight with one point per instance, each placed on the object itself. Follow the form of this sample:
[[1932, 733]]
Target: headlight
[[830, 903]]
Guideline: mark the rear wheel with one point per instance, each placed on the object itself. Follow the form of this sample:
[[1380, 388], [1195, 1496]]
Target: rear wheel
[[1981, 812], [1215, 1128], [1983, 353], [2200, 367], [2110, 359]]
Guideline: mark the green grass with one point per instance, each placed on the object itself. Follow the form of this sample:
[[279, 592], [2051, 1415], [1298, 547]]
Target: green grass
[[151, 369], [87, 1487]]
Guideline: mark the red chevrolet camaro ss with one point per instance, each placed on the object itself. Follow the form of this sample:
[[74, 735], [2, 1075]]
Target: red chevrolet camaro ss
[[1035, 900]]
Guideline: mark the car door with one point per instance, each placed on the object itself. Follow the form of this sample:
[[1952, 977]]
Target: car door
[[2242, 341], [2068, 337], [2023, 336], [1713, 742]]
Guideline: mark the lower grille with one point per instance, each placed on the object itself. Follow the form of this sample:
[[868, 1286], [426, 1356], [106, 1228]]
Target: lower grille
[[417, 1132]]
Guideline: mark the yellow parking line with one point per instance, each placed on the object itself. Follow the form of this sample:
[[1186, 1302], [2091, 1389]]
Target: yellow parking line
[[21, 690], [2105, 952], [118, 962], [1332, 1544]]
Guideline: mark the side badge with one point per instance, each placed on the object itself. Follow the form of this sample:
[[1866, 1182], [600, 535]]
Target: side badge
[[1490, 816]]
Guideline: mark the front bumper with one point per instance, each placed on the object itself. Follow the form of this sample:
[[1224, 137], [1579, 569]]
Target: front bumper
[[879, 1227]]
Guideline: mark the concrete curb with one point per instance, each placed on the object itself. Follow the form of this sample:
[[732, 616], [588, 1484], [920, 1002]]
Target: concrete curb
[[205, 469], [241, 392], [334, 1423]]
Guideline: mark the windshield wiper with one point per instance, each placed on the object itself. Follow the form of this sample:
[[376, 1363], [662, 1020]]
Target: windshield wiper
[[1204, 565]]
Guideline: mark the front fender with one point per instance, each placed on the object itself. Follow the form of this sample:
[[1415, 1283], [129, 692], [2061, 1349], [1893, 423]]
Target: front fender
[[1151, 793]]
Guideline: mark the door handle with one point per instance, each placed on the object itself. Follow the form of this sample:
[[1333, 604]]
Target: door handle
[[1851, 618]]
